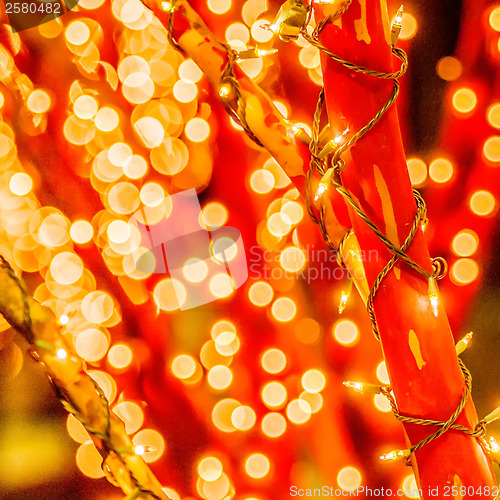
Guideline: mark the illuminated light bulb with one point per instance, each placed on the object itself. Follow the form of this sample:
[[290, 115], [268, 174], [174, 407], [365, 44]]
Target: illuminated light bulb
[[151, 443], [225, 90], [289, 21], [394, 455], [433, 296], [62, 353], [491, 417], [324, 183], [396, 26], [254, 53], [63, 319], [494, 446], [332, 145], [463, 343], [363, 388], [273, 361], [301, 134], [355, 386], [139, 450], [167, 6], [142, 449], [345, 294]]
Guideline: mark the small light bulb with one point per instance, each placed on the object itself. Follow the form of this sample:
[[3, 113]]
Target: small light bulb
[[394, 455], [63, 319], [344, 297], [254, 53], [325, 181], [389, 456], [433, 296], [61, 353], [365, 388], [225, 90], [494, 446], [139, 450], [167, 6], [346, 293], [355, 386], [462, 344], [300, 134], [397, 24], [266, 52]]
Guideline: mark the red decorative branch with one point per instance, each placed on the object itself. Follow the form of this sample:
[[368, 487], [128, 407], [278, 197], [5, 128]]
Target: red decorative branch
[[418, 347]]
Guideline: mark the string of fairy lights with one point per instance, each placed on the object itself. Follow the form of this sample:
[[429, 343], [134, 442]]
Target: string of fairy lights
[[291, 21], [286, 26], [70, 289]]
